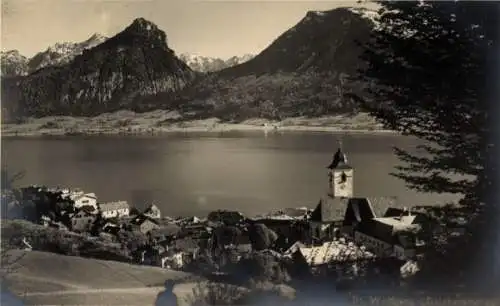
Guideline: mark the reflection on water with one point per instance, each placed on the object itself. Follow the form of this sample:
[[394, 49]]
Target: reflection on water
[[195, 173]]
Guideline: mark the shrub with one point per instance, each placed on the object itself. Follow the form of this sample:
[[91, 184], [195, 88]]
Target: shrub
[[132, 240], [58, 241], [123, 123], [50, 125], [258, 293], [205, 294]]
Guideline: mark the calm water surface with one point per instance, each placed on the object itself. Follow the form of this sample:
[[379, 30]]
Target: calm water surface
[[196, 173]]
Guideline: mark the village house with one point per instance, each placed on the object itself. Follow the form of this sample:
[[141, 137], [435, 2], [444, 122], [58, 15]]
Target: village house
[[111, 228], [188, 246], [193, 220], [196, 230], [327, 257], [31, 193], [144, 224], [172, 260], [153, 212], [81, 198], [226, 217], [241, 245], [165, 232], [151, 255], [45, 220], [82, 221], [288, 230], [290, 213], [390, 236], [333, 252], [114, 209]]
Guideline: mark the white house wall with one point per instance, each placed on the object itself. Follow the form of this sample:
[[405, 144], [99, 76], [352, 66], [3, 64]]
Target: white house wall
[[116, 213], [85, 201]]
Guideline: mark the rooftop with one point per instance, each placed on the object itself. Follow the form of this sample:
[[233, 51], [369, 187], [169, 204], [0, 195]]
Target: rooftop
[[329, 209], [80, 195], [143, 218], [339, 161], [152, 209], [389, 230], [110, 206], [334, 251], [397, 223]]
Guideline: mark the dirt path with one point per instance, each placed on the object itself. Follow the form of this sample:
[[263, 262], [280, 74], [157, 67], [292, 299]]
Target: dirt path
[[147, 290], [48, 280]]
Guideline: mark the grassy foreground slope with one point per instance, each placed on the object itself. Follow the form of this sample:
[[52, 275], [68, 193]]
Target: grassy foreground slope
[[47, 278]]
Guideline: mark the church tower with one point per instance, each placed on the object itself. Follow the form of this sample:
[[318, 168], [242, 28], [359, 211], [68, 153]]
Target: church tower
[[340, 176]]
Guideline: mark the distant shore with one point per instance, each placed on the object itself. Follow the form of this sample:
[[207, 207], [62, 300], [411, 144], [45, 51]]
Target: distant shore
[[164, 122]]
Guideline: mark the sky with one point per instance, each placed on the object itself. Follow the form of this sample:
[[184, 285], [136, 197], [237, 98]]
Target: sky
[[205, 27]]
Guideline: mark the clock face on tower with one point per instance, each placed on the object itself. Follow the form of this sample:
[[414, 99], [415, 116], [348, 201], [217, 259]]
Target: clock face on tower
[[341, 183]]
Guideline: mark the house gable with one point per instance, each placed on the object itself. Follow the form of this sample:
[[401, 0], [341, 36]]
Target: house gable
[[153, 211]]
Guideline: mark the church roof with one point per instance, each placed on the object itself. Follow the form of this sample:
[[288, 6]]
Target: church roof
[[358, 210], [339, 161], [329, 209]]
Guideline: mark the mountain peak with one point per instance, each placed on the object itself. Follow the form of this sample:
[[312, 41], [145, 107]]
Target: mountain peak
[[145, 29], [13, 63], [142, 25], [210, 64], [322, 41], [96, 37], [316, 13]]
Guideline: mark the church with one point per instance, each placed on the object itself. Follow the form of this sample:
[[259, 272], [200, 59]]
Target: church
[[339, 211], [371, 221]]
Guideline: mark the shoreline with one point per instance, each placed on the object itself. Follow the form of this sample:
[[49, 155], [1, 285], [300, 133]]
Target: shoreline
[[164, 122], [226, 128]]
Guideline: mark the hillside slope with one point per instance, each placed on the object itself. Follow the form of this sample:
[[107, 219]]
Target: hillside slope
[[305, 72], [113, 75], [50, 279], [323, 41]]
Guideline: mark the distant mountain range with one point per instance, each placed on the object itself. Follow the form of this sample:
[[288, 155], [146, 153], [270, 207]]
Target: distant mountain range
[[303, 72], [15, 64], [212, 64]]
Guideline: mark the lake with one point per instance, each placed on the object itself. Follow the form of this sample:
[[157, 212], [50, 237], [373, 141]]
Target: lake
[[187, 174]]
